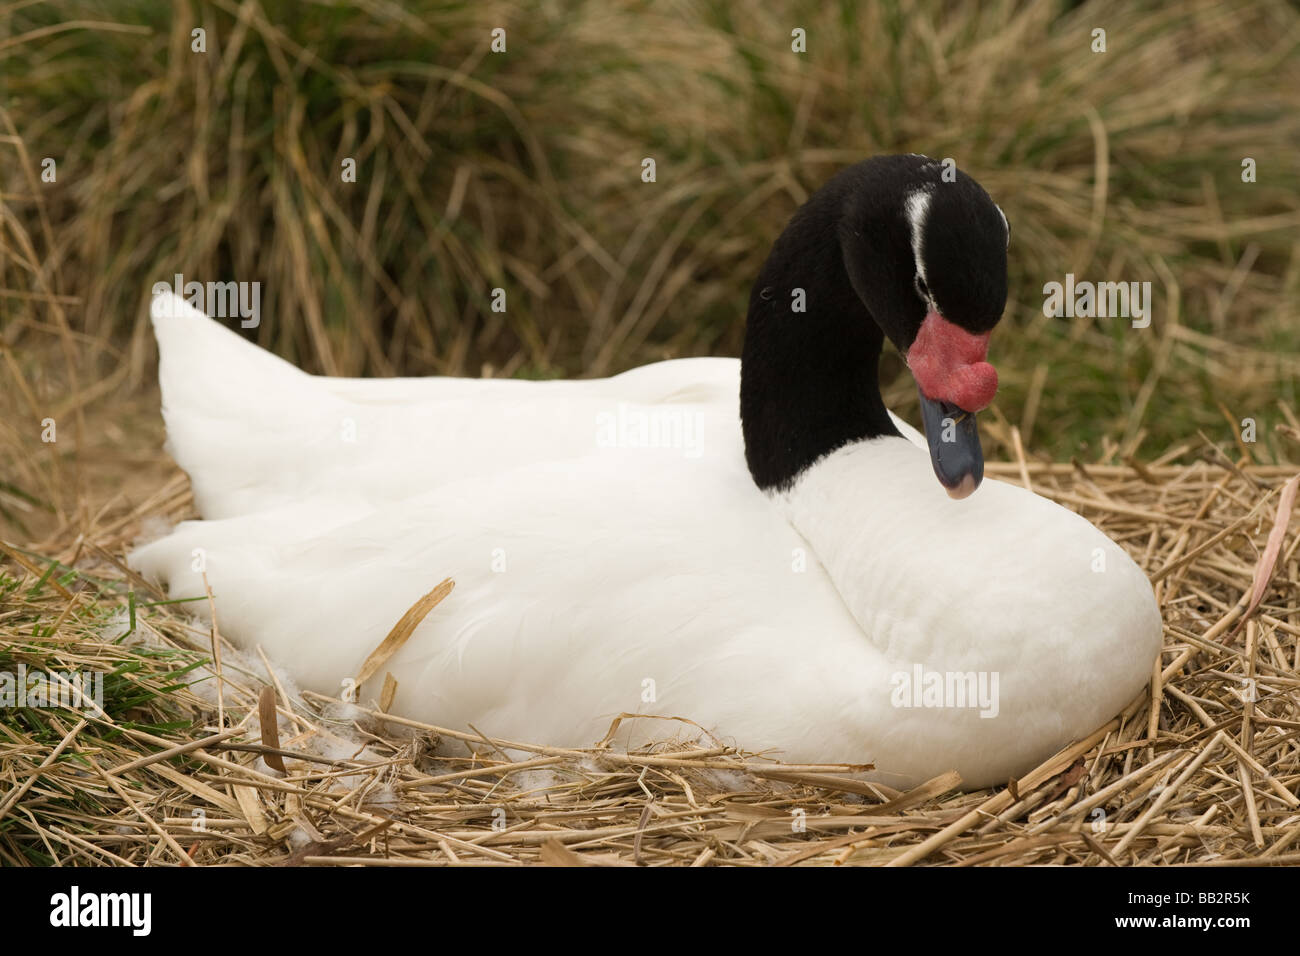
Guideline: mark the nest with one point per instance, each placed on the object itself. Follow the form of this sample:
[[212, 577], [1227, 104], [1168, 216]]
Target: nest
[[1202, 768]]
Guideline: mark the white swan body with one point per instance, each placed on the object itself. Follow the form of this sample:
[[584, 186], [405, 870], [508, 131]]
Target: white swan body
[[594, 579]]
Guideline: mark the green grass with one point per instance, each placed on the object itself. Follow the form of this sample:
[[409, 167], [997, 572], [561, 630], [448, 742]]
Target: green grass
[[142, 692]]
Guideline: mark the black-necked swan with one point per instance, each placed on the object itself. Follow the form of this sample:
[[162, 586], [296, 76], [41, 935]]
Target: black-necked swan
[[758, 546]]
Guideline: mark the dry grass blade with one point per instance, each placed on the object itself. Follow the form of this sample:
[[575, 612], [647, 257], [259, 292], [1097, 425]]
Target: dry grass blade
[[1272, 548], [402, 631], [270, 729]]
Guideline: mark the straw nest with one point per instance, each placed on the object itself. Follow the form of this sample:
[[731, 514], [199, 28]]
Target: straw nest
[[1202, 768]]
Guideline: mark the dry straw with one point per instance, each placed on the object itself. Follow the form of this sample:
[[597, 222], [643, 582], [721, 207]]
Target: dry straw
[[1202, 768]]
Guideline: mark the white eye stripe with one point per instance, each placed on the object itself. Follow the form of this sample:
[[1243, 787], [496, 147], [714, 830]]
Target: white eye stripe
[[917, 207], [923, 292], [1006, 225]]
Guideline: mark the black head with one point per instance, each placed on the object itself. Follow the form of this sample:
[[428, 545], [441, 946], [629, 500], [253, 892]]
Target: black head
[[895, 246], [918, 236]]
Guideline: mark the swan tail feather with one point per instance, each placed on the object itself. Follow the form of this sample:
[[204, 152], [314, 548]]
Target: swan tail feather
[[230, 408]]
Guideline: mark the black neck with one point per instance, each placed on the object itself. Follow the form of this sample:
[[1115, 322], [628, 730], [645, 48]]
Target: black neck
[[809, 380]]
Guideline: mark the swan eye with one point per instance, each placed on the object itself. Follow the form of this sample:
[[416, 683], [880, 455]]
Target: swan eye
[[921, 288]]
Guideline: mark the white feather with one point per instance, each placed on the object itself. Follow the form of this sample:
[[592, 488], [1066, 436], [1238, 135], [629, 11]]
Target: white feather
[[592, 580]]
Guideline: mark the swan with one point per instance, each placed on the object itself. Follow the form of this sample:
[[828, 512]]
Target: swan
[[758, 546]]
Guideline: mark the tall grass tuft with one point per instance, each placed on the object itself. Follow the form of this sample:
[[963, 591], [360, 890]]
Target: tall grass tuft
[[521, 171]]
